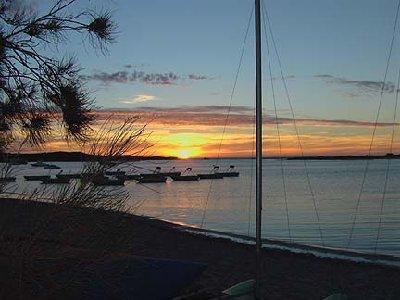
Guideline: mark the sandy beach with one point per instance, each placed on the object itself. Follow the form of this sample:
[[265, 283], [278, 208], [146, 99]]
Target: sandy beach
[[32, 231]]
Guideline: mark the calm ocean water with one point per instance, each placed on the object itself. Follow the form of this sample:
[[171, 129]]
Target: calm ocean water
[[228, 204]]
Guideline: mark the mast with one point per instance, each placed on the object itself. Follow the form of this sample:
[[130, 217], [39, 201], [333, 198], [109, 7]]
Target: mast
[[258, 141]]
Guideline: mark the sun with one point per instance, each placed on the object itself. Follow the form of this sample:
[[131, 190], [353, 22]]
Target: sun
[[187, 153], [184, 154]]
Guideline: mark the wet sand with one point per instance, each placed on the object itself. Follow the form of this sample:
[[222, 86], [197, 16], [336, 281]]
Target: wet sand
[[31, 231]]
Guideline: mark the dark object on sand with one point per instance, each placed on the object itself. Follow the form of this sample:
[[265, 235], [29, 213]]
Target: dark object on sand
[[56, 181], [153, 179], [36, 177], [230, 172], [7, 179]]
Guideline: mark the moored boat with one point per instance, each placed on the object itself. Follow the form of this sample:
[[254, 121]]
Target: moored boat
[[105, 181], [56, 181], [51, 167], [39, 164], [214, 175], [115, 173], [186, 176], [129, 176], [211, 176], [230, 172], [158, 172], [36, 177], [154, 179], [7, 179], [69, 176]]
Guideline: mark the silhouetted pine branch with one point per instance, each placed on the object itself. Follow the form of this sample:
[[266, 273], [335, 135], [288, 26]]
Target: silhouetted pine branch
[[36, 89]]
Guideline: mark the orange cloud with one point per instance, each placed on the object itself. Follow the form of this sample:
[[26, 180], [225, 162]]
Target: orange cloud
[[197, 132]]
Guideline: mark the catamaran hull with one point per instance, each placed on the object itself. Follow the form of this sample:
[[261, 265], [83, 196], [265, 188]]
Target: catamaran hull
[[185, 178]]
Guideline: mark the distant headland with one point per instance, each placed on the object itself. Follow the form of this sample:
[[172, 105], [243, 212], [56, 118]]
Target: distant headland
[[72, 156]]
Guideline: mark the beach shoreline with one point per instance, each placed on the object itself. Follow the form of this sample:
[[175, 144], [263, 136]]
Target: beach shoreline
[[83, 232]]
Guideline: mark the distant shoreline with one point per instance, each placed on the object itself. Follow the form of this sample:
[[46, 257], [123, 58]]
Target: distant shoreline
[[65, 156]]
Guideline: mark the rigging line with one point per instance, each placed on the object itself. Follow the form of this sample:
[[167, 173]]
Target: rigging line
[[251, 175], [149, 188], [357, 207], [278, 132], [229, 110], [300, 145], [234, 85], [388, 164]]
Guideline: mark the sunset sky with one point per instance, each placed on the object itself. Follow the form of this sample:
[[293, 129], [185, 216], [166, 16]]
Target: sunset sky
[[174, 62]]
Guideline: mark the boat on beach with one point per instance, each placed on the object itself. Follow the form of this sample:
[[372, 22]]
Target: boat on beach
[[36, 177]]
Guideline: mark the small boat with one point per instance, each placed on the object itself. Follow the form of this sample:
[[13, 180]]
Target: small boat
[[154, 179], [115, 173], [104, 181], [69, 176], [230, 172], [51, 167], [56, 181], [185, 177], [39, 164], [214, 175], [210, 176], [157, 172], [129, 176], [7, 179], [18, 162], [36, 177]]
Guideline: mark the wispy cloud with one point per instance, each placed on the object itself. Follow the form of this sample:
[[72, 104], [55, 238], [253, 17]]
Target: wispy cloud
[[361, 86], [150, 78], [138, 99], [240, 116]]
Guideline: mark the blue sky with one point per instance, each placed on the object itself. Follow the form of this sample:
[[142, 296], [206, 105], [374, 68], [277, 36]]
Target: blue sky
[[186, 52], [346, 39]]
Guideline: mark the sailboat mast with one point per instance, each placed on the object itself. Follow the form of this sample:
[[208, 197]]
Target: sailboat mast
[[259, 147]]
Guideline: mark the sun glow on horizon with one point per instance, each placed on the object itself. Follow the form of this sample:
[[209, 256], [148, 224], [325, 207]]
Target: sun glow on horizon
[[188, 153]]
